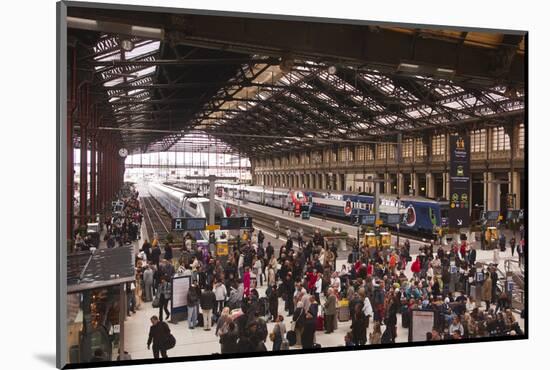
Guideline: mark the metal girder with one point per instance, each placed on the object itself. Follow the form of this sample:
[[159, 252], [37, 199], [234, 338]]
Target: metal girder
[[382, 48], [195, 61]]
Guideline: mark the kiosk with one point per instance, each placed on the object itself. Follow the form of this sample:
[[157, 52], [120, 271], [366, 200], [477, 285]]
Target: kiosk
[[385, 239]]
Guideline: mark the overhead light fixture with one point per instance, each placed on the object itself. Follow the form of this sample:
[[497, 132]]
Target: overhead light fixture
[[126, 45], [445, 72], [332, 70], [408, 67]]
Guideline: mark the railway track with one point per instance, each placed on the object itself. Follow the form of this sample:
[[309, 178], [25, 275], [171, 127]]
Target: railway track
[[154, 221]]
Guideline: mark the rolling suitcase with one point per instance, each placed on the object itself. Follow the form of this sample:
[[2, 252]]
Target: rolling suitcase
[[343, 314], [200, 320], [343, 310], [320, 323]]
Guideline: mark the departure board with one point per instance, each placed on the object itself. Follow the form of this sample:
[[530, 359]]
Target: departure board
[[235, 223]]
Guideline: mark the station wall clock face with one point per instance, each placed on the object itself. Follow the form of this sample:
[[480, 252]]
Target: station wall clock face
[[123, 152]]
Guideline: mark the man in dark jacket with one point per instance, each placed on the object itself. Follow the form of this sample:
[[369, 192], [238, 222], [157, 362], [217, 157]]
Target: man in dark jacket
[[158, 334], [269, 250], [208, 302], [155, 255], [192, 305]]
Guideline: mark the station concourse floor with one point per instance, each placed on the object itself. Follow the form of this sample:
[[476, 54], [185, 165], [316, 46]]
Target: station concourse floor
[[201, 342]]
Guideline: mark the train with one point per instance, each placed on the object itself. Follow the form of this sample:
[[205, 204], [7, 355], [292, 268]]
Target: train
[[419, 215], [177, 203], [278, 198]]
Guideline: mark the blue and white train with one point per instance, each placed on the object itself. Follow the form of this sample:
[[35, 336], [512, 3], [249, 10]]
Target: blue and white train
[[419, 214], [176, 202]]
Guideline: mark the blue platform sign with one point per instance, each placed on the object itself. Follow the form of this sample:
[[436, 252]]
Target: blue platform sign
[[368, 219], [393, 218], [235, 223], [188, 224]]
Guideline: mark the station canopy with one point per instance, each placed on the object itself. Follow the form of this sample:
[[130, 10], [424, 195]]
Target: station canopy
[[258, 86]]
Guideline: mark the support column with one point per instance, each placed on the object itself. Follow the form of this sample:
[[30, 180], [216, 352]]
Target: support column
[[70, 177], [491, 191], [430, 185], [400, 184], [446, 185], [99, 179], [70, 151], [93, 174], [387, 183], [516, 181], [83, 171], [414, 183]]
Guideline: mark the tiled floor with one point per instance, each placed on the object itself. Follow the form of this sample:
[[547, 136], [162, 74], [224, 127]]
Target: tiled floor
[[200, 342]]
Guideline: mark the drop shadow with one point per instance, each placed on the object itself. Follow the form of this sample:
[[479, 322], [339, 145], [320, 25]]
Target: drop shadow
[[47, 358]]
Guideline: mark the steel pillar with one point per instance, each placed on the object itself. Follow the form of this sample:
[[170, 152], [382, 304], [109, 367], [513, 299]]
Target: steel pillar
[[84, 106], [70, 152]]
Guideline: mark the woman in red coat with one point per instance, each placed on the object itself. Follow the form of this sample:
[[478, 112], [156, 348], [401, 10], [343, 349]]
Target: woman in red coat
[[311, 280], [246, 281], [415, 267]]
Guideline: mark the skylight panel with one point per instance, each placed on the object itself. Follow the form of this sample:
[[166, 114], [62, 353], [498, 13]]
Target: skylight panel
[[142, 50], [114, 82], [145, 71]]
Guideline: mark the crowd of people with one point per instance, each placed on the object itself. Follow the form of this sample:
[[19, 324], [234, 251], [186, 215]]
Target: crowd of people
[[303, 292]]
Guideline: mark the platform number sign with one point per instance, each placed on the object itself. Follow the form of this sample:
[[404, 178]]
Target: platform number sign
[[188, 224], [368, 219]]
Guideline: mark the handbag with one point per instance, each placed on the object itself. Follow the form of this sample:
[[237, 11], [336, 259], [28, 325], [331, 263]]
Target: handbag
[[272, 336], [291, 337], [156, 302], [170, 342]]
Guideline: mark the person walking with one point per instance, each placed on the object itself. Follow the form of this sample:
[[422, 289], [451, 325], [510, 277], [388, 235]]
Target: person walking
[[165, 293], [158, 334], [193, 296], [208, 302], [148, 283]]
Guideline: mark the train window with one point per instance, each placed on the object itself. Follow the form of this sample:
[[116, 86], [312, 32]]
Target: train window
[[193, 205]]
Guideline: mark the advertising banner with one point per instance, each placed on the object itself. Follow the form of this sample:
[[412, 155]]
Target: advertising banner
[[422, 322], [459, 202], [180, 288]]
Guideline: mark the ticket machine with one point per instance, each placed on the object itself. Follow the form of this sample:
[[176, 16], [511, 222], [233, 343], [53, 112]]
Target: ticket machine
[[370, 240]]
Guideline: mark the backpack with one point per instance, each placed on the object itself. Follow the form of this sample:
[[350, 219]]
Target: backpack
[[386, 337]]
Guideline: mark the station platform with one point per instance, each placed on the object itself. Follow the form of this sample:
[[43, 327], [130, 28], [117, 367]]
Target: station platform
[[323, 225]]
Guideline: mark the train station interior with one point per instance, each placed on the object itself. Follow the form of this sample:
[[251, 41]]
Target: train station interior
[[382, 168]]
